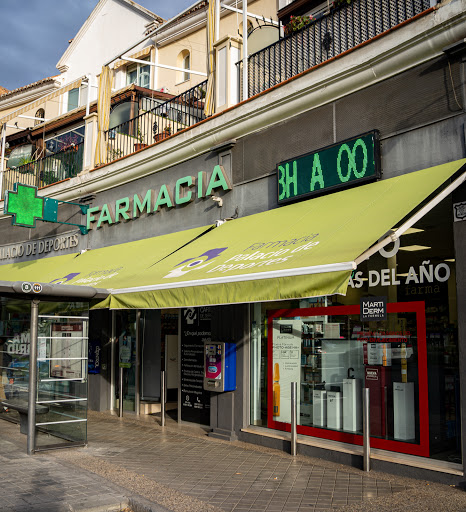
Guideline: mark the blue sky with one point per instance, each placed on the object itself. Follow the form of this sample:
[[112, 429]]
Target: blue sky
[[35, 33]]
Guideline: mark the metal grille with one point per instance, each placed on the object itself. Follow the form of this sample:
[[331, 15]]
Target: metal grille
[[157, 123], [328, 36], [45, 171]]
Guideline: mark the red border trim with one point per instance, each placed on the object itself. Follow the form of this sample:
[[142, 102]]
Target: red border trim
[[421, 449]]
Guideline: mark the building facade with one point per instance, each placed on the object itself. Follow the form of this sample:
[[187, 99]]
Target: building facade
[[239, 230]]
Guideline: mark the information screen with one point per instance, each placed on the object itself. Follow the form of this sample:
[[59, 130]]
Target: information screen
[[331, 168]]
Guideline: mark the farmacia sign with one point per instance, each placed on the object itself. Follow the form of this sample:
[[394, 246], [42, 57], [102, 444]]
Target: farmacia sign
[[184, 191]]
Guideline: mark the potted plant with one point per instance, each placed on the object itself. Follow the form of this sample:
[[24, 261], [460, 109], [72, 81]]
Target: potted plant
[[337, 4], [139, 145], [297, 23], [166, 132]]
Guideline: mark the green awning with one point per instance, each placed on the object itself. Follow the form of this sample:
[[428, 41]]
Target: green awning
[[34, 270], [108, 267], [302, 250]]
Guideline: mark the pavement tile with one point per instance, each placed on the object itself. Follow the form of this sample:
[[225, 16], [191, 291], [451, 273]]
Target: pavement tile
[[138, 456]]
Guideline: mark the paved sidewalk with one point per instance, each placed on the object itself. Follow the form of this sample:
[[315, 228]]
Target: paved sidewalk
[[182, 470], [43, 483]]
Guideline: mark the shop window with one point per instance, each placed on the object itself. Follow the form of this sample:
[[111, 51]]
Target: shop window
[[73, 99], [138, 74], [408, 359]]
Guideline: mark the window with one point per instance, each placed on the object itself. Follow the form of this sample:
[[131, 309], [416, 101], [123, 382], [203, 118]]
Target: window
[[40, 113], [20, 156], [183, 61], [73, 99], [186, 65], [138, 74], [64, 140]]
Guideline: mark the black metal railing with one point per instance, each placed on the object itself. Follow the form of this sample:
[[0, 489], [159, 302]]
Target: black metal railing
[[157, 123], [328, 36], [45, 171]]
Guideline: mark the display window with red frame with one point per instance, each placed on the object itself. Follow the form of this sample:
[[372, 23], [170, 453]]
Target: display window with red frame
[[408, 358], [332, 356]]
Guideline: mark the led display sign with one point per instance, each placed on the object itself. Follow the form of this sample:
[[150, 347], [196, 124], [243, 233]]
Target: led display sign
[[341, 165]]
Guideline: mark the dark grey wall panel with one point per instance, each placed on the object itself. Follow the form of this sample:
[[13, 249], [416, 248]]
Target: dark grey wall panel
[[151, 355], [99, 384], [228, 410], [302, 134], [459, 230], [418, 96]]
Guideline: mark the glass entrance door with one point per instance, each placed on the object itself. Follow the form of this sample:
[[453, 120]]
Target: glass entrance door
[[125, 359]]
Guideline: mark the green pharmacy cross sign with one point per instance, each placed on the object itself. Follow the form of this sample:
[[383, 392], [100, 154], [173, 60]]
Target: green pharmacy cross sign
[[347, 163], [25, 207]]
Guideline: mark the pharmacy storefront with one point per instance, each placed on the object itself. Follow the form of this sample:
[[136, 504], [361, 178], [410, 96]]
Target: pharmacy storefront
[[394, 332], [302, 291]]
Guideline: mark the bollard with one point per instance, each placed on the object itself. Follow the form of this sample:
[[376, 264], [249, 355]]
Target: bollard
[[293, 417], [121, 393], [162, 397], [366, 430]]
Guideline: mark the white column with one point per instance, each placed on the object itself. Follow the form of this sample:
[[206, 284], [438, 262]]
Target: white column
[[217, 19], [245, 50], [90, 140], [155, 68]]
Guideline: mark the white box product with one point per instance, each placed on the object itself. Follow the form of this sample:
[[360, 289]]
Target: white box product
[[352, 407], [403, 411], [319, 408], [334, 409], [305, 414]]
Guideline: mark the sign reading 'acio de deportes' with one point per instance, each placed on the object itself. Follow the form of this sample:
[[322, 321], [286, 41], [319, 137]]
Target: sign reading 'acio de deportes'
[[184, 191], [334, 167]]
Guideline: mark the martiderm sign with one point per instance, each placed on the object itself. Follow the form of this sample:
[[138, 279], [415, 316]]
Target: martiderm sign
[[340, 165], [183, 191]]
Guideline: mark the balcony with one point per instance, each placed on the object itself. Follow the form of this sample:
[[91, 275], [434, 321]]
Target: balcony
[[156, 124], [48, 170], [327, 37]]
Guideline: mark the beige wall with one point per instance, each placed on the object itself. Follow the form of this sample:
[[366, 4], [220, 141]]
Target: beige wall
[[196, 44], [51, 108]]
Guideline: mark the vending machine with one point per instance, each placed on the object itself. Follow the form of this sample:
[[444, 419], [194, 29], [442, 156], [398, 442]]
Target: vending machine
[[219, 366]]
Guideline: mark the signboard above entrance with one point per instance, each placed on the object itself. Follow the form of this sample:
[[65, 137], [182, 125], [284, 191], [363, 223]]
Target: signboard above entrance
[[331, 168]]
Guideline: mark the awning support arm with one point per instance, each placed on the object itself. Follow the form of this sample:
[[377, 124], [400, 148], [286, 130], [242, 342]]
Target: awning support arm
[[412, 220], [250, 15], [155, 64]]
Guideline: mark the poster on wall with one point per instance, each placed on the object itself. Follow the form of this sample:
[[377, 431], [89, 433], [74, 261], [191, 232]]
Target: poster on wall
[[93, 361], [66, 351], [124, 343], [286, 367], [195, 329]]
